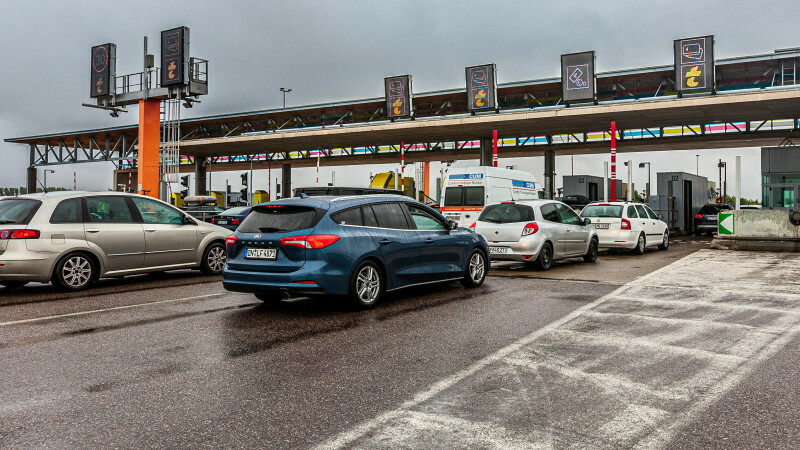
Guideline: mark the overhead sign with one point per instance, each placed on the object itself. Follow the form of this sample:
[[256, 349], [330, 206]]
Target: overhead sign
[[726, 223], [398, 96], [482, 87], [175, 56], [578, 77], [694, 63], [103, 70]]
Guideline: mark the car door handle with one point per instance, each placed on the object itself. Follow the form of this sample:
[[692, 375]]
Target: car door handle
[[428, 241], [150, 230], [92, 230], [384, 242]]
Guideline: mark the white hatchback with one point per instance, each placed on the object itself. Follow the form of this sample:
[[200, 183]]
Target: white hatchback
[[627, 225]]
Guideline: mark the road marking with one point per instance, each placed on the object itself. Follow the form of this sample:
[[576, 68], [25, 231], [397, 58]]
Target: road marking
[[116, 308], [627, 370]]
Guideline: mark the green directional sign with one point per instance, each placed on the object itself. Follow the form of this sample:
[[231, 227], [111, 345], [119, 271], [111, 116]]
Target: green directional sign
[[725, 223]]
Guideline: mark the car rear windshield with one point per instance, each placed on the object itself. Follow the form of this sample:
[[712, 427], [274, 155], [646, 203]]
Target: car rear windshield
[[507, 213], [280, 219], [463, 196], [18, 211], [602, 211], [713, 209]]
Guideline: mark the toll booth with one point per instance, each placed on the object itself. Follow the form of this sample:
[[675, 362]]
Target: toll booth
[[126, 180], [220, 196], [260, 196], [590, 186], [177, 199], [780, 176], [680, 196]]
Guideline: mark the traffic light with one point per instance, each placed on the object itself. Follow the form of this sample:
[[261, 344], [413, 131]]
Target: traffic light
[[185, 181], [244, 194], [244, 179], [719, 200], [185, 193]]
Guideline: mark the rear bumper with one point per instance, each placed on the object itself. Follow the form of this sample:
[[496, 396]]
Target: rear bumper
[[517, 251], [326, 279], [713, 227], [617, 238], [26, 266]]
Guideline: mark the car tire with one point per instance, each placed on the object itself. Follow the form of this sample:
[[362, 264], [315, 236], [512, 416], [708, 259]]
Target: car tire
[[74, 272], [641, 244], [545, 258], [475, 272], [270, 297], [213, 259], [367, 285], [591, 253], [665, 243], [13, 284]]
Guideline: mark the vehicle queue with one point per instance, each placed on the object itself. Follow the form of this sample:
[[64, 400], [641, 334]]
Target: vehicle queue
[[358, 246]]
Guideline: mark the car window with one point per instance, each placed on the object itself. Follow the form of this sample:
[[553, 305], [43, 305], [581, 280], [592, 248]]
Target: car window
[[507, 213], [567, 214], [641, 211], [111, 209], [602, 211], [155, 212], [280, 219], [424, 220], [67, 211], [632, 212], [18, 210], [549, 213], [369, 216], [390, 215], [650, 213], [714, 209], [350, 216]]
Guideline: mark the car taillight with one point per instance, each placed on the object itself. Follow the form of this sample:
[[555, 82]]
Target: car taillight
[[472, 227], [698, 216], [235, 222], [231, 240], [625, 225], [312, 241], [19, 234], [530, 228], [507, 203], [213, 221]]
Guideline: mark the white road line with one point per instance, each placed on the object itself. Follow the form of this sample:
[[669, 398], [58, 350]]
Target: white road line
[[116, 308]]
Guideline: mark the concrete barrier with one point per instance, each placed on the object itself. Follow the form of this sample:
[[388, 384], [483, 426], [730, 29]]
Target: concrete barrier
[[762, 230]]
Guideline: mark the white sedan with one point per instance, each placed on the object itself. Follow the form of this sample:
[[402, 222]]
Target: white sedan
[[627, 225]]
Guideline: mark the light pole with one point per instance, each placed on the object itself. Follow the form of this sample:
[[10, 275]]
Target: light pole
[[723, 187], [697, 164], [641, 165], [44, 186], [284, 90]]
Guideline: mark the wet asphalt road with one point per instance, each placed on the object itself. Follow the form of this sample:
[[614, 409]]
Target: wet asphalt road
[[174, 360]]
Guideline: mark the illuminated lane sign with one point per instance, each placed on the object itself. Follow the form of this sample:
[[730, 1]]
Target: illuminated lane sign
[[398, 96], [175, 56], [578, 77], [103, 70], [482, 87], [694, 63]]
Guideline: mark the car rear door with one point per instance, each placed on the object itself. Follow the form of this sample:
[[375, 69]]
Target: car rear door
[[168, 239], [400, 245], [110, 229]]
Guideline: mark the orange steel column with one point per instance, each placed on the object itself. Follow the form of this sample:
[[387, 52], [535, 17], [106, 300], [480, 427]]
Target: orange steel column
[[425, 177], [149, 137]]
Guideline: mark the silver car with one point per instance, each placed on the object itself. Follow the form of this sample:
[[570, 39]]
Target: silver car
[[536, 231], [74, 238]]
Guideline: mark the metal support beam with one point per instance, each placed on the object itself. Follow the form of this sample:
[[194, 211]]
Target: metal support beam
[[200, 179], [486, 152], [549, 173], [31, 182], [286, 180]]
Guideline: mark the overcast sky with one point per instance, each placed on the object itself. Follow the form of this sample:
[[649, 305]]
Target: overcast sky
[[341, 50]]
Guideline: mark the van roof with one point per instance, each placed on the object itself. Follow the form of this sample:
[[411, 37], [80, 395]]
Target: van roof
[[499, 172]]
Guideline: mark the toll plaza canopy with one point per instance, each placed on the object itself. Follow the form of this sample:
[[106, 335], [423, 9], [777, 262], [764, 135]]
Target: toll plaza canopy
[[756, 103]]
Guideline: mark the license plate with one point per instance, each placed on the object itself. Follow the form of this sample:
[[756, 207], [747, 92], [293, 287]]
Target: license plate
[[600, 226], [261, 253], [498, 249], [453, 218], [222, 222]]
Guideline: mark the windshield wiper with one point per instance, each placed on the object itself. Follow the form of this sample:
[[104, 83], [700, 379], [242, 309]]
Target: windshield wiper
[[8, 221], [271, 230], [490, 220]]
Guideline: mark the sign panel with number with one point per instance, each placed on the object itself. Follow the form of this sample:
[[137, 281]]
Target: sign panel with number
[[175, 56], [578, 77], [103, 70], [694, 63], [481, 87], [398, 96]]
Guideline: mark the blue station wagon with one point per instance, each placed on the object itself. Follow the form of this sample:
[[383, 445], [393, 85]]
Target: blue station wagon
[[356, 246]]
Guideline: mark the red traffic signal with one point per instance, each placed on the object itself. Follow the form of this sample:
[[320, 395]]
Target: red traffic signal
[[719, 200]]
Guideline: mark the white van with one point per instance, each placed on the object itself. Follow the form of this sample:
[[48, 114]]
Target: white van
[[467, 190]]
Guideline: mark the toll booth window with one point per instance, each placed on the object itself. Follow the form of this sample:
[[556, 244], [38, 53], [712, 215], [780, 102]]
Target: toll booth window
[[67, 211], [108, 210], [154, 212], [424, 220]]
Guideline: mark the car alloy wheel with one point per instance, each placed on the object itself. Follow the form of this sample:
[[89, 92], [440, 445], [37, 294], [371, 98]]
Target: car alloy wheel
[[214, 259], [591, 254], [665, 243], [545, 258], [368, 285], [475, 272], [76, 272], [640, 245]]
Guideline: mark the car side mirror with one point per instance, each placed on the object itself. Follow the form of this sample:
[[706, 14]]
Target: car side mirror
[[452, 225], [660, 217], [587, 221], [186, 220]]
